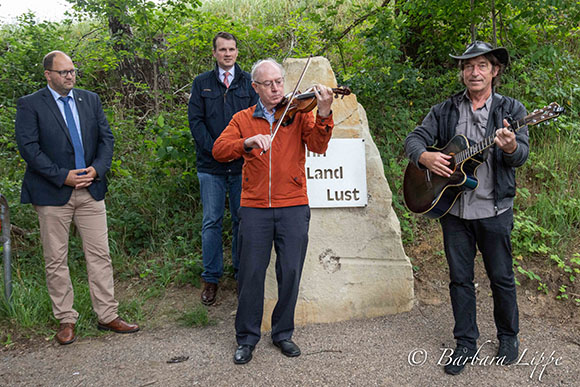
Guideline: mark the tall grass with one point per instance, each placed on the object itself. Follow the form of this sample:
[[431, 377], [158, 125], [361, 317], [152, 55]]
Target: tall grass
[[549, 194], [29, 311], [270, 12], [279, 12]]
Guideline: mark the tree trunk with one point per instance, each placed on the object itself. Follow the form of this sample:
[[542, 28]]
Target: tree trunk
[[473, 28], [494, 24]]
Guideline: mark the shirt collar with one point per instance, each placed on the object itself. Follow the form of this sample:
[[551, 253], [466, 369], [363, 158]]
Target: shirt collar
[[487, 105], [56, 96], [264, 107], [232, 72], [262, 112]]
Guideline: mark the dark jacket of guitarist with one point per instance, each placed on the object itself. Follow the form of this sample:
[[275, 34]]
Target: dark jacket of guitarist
[[475, 158]]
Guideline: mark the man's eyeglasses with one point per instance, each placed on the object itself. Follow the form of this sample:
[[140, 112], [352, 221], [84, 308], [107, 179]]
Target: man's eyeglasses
[[64, 73], [482, 67], [278, 82]]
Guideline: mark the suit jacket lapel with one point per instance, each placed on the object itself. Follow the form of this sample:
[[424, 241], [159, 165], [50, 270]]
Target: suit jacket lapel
[[82, 110], [52, 106]]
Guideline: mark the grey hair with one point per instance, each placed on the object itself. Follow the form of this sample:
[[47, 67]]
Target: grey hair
[[259, 63]]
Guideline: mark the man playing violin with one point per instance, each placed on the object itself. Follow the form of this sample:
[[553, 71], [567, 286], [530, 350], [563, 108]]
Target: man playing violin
[[274, 204], [482, 218]]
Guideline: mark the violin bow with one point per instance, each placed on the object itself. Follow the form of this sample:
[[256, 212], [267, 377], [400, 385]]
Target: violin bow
[[289, 101]]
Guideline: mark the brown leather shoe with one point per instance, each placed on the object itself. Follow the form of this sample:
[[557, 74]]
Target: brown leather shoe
[[208, 294], [118, 325], [65, 334]]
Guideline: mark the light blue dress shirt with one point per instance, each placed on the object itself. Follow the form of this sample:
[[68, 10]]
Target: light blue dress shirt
[[269, 116], [73, 107]]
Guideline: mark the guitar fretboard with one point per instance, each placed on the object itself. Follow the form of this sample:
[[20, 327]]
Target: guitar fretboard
[[551, 111]]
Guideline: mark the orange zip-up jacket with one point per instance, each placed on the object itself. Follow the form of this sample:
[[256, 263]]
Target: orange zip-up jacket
[[276, 178]]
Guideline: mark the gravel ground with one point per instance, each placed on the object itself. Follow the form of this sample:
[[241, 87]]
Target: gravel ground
[[369, 352]]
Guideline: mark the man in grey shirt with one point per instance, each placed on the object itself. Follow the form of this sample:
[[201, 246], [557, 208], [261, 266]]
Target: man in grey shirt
[[480, 218]]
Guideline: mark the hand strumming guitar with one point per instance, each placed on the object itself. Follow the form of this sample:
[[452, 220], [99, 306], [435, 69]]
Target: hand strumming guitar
[[436, 162]]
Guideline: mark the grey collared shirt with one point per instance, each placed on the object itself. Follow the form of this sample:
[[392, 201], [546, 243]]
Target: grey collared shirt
[[478, 203]]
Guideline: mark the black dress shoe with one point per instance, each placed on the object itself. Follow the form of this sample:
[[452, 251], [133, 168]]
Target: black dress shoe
[[508, 350], [460, 357], [243, 354], [288, 347]]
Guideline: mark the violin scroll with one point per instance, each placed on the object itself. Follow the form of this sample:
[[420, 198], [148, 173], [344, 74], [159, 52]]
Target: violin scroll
[[342, 90]]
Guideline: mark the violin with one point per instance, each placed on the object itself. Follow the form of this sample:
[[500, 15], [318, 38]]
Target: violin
[[303, 102], [297, 100]]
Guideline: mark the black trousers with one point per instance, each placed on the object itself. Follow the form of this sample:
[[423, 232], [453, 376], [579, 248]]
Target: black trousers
[[493, 238], [287, 229]]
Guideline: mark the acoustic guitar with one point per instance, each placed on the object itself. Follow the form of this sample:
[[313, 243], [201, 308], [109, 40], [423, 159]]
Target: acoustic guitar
[[431, 195]]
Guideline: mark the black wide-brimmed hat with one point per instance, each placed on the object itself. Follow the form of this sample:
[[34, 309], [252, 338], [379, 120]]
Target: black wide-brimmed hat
[[478, 48]]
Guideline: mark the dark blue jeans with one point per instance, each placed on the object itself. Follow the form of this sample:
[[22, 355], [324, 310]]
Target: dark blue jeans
[[287, 229], [213, 190], [493, 238]]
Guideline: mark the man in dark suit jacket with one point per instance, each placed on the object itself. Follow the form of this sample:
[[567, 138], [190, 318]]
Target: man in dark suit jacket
[[65, 139], [216, 96]]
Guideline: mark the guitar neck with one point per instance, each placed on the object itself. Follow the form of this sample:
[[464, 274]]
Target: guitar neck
[[486, 143], [549, 112]]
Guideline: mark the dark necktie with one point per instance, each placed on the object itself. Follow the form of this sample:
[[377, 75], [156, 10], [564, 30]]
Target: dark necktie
[[74, 135]]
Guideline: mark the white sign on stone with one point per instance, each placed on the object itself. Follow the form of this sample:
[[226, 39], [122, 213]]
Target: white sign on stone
[[338, 177]]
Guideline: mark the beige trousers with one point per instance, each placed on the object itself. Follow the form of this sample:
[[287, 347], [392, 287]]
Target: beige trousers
[[90, 218]]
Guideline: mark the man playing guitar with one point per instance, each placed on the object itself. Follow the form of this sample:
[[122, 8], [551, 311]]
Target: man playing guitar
[[483, 217]]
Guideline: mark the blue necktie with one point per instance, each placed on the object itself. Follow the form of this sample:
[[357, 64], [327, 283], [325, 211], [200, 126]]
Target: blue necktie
[[74, 135]]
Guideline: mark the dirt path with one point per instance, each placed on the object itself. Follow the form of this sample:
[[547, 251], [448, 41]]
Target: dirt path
[[364, 352]]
